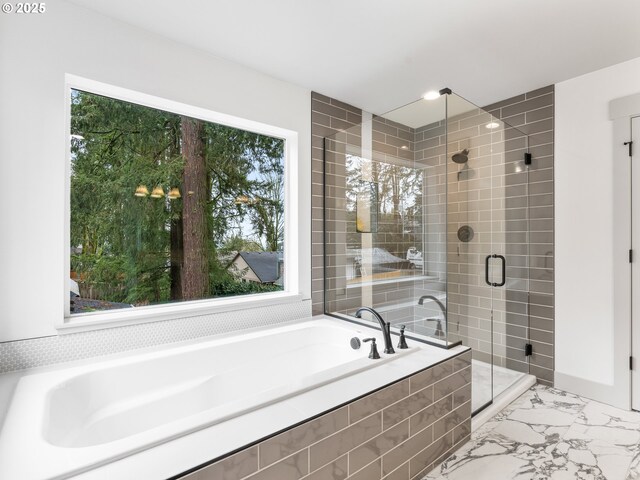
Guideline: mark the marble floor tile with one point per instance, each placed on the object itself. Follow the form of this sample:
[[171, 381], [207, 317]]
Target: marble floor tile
[[589, 460], [550, 434], [599, 414], [545, 397], [491, 458], [544, 409], [634, 468], [602, 442]]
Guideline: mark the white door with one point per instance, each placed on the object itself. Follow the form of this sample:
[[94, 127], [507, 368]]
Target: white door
[[635, 265]]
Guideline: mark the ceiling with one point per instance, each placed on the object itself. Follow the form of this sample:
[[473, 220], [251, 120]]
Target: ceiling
[[381, 54]]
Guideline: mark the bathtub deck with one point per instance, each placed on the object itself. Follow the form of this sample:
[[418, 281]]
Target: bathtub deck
[[183, 453]]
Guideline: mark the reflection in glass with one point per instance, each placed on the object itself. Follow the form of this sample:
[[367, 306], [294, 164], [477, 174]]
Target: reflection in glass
[[416, 200]]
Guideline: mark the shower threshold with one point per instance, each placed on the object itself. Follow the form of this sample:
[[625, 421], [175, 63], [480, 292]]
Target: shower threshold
[[503, 378], [507, 386]]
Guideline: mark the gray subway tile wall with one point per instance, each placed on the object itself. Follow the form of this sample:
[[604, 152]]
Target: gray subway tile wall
[[392, 148], [476, 195], [396, 433], [521, 219], [328, 118], [538, 109], [496, 196]]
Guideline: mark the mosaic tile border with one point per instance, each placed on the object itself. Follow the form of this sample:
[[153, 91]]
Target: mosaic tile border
[[37, 352]]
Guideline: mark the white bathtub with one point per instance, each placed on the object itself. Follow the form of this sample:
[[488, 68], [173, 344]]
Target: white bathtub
[[74, 419]]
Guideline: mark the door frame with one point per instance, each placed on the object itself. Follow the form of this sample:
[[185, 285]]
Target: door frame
[[634, 138], [621, 110]]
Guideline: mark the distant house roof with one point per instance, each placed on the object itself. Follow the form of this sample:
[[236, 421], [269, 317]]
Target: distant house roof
[[263, 264]]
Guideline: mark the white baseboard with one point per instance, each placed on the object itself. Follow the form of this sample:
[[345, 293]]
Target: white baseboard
[[600, 392]]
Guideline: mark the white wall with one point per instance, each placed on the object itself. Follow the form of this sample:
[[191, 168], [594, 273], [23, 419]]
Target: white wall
[[35, 53], [590, 348]]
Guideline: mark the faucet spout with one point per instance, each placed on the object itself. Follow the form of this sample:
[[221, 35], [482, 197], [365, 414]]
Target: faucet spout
[[435, 299], [439, 332], [384, 326]]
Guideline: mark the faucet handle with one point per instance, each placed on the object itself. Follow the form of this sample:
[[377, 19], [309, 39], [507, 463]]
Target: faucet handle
[[374, 350], [402, 343], [386, 334]]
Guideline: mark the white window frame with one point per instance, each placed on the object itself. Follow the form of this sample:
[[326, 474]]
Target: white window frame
[[113, 318]]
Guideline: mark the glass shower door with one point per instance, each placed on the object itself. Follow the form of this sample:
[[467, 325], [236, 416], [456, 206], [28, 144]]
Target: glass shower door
[[487, 237], [511, 245]]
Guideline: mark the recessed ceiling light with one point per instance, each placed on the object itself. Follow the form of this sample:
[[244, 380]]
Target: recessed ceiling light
[[432, 95], [492, 125]]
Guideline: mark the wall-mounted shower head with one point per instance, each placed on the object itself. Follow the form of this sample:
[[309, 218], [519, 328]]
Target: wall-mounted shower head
[[461, 157]]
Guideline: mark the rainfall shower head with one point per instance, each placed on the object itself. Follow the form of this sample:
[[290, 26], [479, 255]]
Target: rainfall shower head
[[461, 157]]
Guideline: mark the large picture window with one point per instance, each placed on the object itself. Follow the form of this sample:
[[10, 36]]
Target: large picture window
[[169, 208]]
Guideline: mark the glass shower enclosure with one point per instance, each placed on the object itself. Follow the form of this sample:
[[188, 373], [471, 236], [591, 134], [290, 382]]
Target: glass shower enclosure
[[426, 220]]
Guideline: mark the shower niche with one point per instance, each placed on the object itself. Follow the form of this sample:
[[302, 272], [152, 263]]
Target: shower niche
[[426, 220]]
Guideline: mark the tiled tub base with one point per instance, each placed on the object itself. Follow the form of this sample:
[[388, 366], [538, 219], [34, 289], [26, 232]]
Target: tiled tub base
[[397, 433]]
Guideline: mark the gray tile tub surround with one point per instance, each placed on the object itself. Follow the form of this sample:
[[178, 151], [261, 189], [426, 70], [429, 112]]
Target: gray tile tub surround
[[399, 432]]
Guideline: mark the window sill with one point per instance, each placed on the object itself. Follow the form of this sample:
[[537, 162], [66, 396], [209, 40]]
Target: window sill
[[100, 320]]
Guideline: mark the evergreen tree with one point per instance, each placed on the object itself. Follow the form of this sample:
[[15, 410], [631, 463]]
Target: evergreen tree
[[158, 247]]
